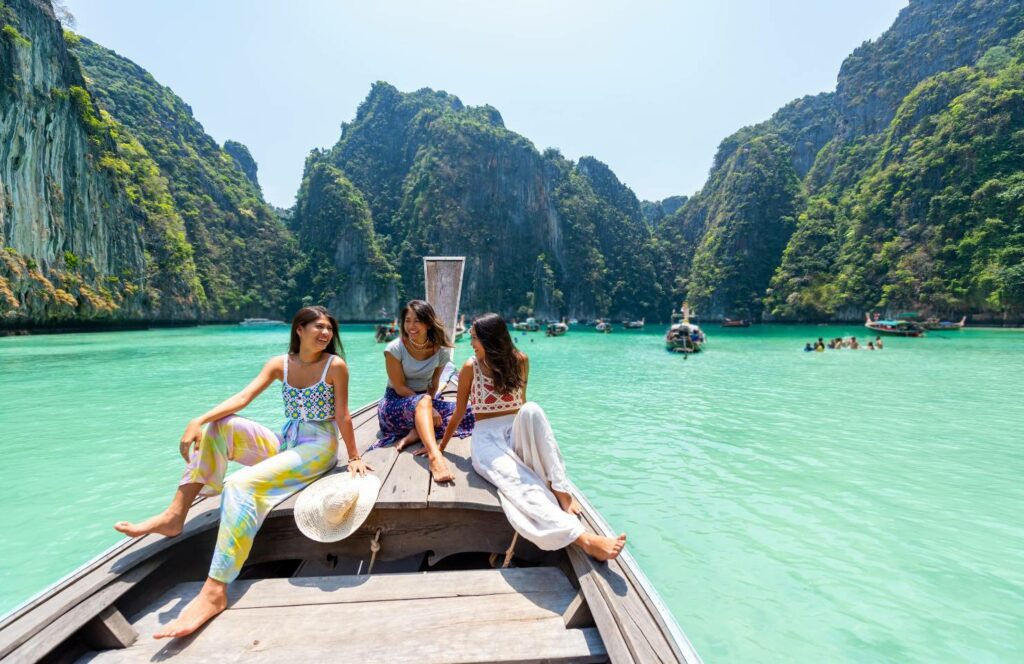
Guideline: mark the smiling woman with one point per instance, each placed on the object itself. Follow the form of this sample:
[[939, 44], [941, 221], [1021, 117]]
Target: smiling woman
[[411, 409], [279, 464]]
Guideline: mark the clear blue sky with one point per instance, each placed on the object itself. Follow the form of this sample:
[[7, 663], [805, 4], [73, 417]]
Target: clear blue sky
[[649, 87]]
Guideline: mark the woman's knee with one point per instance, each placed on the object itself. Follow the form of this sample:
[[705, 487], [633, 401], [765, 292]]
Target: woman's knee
[[221, 427], [532, 410]]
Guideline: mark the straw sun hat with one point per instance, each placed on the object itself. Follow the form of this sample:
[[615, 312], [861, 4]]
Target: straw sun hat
[[333, 507]]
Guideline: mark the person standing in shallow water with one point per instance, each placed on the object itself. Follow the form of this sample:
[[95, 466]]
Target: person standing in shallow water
[[314, 381], [411, 411], [514, 447]]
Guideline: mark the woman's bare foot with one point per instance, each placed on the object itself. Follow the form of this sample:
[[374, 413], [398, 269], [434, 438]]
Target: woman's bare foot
[[408, 439], [440, 471], [212, 599], [166, 523], [602, 548], [568, 502]]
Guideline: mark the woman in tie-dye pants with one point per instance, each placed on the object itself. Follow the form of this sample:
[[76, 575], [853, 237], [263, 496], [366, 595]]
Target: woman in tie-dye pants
[[279, 464]]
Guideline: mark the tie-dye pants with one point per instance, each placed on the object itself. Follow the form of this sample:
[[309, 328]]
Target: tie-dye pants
[[278, 466]]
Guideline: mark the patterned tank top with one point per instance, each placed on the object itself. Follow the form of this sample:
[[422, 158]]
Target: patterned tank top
[[309, 404], [484, 398]]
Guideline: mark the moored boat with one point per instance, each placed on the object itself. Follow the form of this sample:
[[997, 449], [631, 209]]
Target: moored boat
[[944, 325], [386, 332], [732, 322], [428, 556], [557, 329], [634, 324], [897, 328], [262, 322], [684, 336], [529, 325], [506, 596], [603, 326]]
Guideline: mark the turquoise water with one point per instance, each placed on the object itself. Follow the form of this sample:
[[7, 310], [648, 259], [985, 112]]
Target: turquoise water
[[788, 506]]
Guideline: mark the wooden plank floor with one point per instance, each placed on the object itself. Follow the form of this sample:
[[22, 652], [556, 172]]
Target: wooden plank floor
[[469, 490], [512, 615]]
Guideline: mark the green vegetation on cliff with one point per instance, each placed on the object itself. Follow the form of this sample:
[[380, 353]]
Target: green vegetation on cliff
[[342, 265], [541, 234], [937, 220], [242, 251], [898, 191]]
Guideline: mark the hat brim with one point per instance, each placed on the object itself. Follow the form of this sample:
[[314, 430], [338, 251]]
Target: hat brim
[[309, 508]]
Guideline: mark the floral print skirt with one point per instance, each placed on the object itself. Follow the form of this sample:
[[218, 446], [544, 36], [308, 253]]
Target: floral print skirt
[[397, 416]]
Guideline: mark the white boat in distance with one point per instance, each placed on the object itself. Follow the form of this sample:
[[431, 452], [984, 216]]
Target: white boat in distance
[[261, 322]]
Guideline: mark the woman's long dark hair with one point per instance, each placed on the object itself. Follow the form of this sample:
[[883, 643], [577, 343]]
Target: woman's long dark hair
[[503, 358], [436, 334], [307, 315]]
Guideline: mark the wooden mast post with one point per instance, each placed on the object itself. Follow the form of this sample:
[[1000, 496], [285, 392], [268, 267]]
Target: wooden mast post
[[442, 280]]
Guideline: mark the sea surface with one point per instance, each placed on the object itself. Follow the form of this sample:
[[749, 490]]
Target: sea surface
[[846, 506]]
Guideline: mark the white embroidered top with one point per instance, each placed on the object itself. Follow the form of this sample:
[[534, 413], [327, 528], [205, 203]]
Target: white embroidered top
[[484, 398]]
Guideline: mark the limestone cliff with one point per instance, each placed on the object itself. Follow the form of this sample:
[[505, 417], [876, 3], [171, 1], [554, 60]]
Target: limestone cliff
[[243, 158], [343, 265], [542, 236], [784, 232], [242, 250], [78, 242]]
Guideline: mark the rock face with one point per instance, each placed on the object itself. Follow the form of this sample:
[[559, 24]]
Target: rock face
[[76, 242], [343, 265], [243, 158], [115, 204], [900, 190], [833, 209], [542, 236], [655, 211]]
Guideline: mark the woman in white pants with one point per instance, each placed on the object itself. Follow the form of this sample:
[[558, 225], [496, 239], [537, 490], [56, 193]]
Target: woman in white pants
[[514, 447]]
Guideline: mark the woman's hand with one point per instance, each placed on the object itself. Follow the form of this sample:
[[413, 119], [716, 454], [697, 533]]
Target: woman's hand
[[190, 440], [358, 467]]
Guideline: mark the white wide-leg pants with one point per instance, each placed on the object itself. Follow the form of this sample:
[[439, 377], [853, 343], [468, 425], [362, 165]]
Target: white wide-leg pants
[[519, 455]]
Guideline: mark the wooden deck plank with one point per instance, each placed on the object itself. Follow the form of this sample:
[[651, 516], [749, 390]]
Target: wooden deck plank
[[509, 627], [641, 603], [263, 593], [601, 611], [509, 642], [469, 489], [621, 610], [407, 484], [611, 602]]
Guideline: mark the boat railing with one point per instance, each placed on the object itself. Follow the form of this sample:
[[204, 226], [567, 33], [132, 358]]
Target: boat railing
[[684, 650]]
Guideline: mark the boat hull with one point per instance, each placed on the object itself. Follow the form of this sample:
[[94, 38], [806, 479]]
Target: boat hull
[[896, 332]]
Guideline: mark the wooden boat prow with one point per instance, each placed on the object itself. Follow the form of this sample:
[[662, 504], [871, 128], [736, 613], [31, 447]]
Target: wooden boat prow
[[432, 595]]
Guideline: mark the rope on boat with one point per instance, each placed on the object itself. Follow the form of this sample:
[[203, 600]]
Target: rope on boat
[[374, 549], [511, 548]]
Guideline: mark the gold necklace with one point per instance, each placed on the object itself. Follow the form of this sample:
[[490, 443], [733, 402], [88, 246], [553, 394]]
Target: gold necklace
[[424, 345]]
